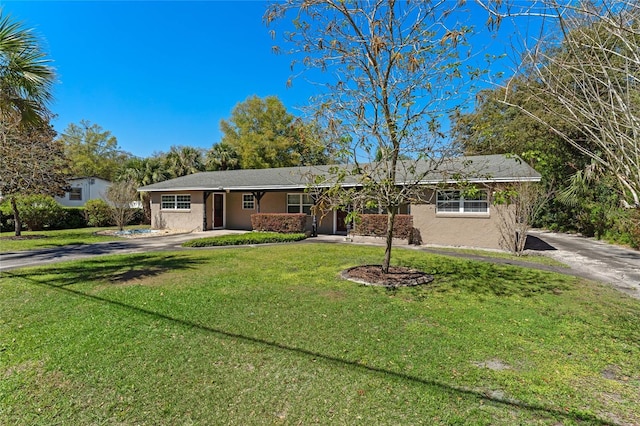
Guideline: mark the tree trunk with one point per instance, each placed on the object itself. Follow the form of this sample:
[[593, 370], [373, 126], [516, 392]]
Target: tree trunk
[[391, 217], [16, 217]]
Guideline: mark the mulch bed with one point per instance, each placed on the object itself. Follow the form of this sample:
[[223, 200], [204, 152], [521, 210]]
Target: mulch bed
[[398, 276]]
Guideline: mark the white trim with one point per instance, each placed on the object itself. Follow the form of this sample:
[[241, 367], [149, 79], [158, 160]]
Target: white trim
[[175, 202], [253, 201], [460, 201]]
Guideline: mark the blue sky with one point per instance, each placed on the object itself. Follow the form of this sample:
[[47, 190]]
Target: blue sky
[[161, 73], [157, 74]]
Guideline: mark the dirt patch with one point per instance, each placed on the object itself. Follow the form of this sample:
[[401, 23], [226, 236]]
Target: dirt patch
[[398, 276], [493, 364], [24, 237], [146, 234]]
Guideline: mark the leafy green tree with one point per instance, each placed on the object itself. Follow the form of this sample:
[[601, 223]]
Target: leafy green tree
[[390, 71], [92, 151], [265, 135], [26, 76]]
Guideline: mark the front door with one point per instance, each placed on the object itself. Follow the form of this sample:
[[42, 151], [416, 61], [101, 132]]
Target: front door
[[341, 216], [218, 210]]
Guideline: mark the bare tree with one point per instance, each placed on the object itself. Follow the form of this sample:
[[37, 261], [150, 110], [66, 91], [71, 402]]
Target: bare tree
[[121, 195], [517, 207], [591, 66], [390, 72], [31, 162]]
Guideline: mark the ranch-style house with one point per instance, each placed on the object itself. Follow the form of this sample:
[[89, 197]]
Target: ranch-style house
[[227, 199]]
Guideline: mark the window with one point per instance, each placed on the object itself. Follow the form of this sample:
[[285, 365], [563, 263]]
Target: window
[[299, 203], [454, 202], [176, 202], [75, 194], [248, 202]]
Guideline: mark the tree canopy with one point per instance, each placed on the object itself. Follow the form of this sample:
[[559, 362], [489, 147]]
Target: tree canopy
[[264, 134], [589, 63], [388, 72], [92, 151]]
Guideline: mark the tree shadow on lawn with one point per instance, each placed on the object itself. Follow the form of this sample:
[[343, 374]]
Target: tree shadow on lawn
[[110, 271], [487, 278]]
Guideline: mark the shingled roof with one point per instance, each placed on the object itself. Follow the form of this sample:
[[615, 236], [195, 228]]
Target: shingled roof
[[475, 169]]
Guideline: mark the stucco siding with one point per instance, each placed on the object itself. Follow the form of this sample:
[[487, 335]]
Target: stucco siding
[[190, 220], [457, 229]]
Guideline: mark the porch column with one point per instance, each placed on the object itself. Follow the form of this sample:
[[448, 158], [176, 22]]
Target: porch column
[[258, 196]]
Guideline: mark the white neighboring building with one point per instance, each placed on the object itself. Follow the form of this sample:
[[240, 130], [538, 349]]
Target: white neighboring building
[[84, 189]]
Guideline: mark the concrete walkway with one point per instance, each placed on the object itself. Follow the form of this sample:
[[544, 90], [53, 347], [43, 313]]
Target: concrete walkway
[[586, 257]]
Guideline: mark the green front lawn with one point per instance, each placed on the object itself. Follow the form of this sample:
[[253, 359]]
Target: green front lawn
[[44, 239], [271, 335]]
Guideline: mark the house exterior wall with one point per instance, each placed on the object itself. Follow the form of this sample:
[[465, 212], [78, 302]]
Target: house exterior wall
[[450, 229], [457, 229], [90, 188], [188, 219], [271, 202]]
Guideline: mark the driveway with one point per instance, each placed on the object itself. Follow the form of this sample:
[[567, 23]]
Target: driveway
[[592, 259], [46, 256]]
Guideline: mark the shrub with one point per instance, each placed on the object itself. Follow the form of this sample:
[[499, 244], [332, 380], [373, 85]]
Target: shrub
[[248, 238], [286, 223], [38, 211], [72, 218], [98, 213], [6, 216], [139, 218], [375, 225]]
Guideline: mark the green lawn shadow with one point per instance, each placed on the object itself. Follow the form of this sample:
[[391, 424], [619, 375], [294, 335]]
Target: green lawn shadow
[[112, 270]]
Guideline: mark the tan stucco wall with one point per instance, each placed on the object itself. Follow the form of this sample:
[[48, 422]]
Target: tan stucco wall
[[190, 220], [440, 229], [452, 229], [271, 202]]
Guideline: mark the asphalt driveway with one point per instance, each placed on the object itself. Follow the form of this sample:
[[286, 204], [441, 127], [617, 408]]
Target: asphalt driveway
[[20, 259], [592, 259]]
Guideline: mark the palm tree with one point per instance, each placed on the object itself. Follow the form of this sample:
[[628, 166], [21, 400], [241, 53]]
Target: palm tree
[[143, 172], [184, 160], [26, 77], [222, 156]]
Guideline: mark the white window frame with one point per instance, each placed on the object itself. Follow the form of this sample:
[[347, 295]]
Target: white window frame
[[456, 203], [248, 202], [74, 191], [180, 202], [300, 204]]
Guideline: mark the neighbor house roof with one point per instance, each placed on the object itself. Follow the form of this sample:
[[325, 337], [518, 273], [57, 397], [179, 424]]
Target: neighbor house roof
[[473, 169]]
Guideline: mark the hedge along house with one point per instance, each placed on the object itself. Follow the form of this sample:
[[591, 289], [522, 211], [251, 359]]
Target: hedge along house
[[443, 216]]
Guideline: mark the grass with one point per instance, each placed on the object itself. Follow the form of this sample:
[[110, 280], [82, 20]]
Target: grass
[[271, 335], [531, 258], [245, 239], [59, 238]]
